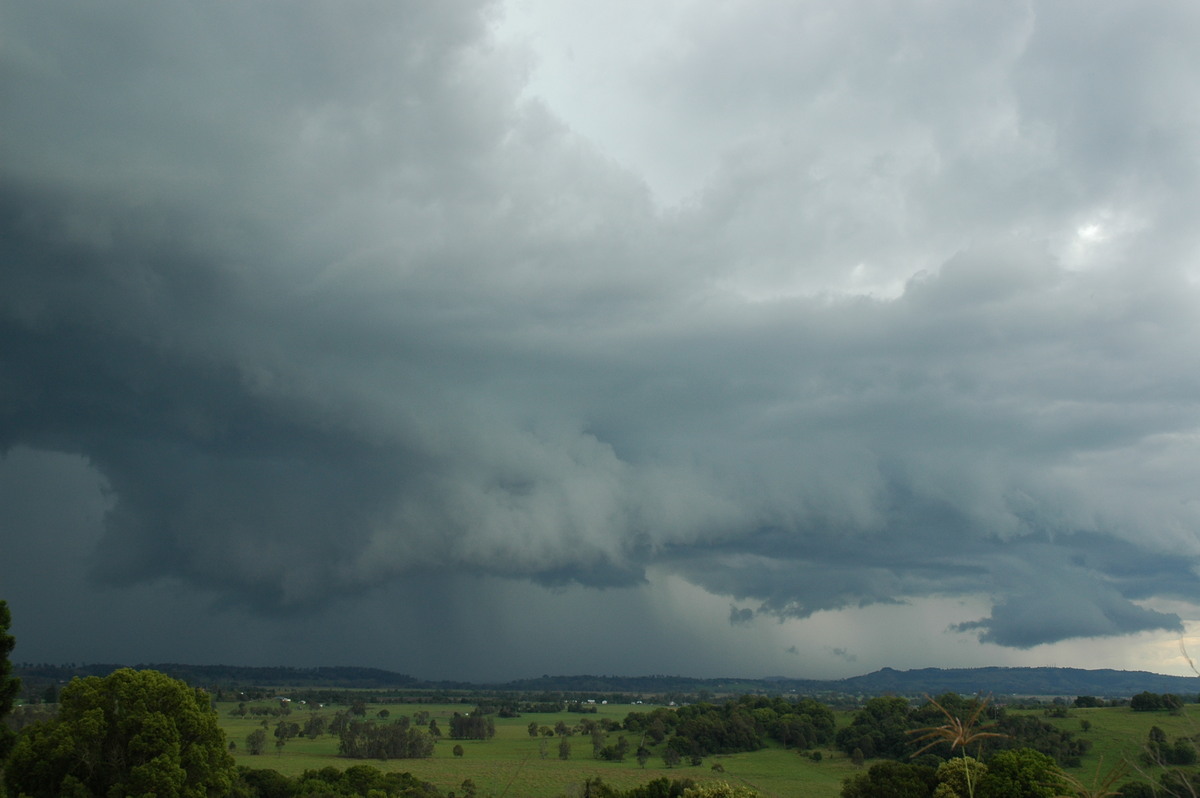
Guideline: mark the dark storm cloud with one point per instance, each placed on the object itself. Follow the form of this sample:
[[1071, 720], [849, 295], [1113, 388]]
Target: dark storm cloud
[[740, 615], [1077, 605], [329, 306]]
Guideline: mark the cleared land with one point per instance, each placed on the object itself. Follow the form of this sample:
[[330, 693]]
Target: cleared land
[[512, 763]]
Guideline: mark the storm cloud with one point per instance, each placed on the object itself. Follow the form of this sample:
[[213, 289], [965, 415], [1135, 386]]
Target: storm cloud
[[833, 309]]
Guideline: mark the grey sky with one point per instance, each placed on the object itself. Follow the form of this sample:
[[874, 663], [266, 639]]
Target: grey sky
[[690, 337]]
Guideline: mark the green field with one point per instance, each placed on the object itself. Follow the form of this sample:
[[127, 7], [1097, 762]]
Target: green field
[[1119, 734], [512, 762]]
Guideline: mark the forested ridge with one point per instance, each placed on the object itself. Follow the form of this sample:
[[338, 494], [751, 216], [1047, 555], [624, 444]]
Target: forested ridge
[[924, 681]]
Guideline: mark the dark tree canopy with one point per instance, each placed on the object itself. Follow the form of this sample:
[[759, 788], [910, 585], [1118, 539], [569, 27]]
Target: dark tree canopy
[[131, 733], [892, 780], [9, 684]]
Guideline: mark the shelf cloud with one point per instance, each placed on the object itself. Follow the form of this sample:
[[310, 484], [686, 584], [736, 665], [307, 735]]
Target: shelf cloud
[[826, 310]]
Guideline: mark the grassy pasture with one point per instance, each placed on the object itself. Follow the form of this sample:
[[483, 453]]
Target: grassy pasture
[[1119, 733], [511, 764]]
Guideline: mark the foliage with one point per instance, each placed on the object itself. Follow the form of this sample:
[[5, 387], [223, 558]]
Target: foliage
[[369, 740], [956, 732], [704, 729], [256, 742], [1160, 752], [9, 684], [661, 787], [1021, 773], [1146, 701], [720, 789], [471, 727], [362, 780], [891, 779], [1102, 785], [744, 724], [879, 729], [1026, 731], [957, 777], [131, 733]]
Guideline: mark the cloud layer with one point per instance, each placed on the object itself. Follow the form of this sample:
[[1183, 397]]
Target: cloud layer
[[333, 300]]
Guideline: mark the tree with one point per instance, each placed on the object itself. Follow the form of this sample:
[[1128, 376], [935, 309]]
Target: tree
[[959, 734], [9, 684], [133, 733], [1146, 701], [891, 779], [564, 748], [957, 776], [880, 728], [1021, 773], [256, 742], [314, 727], [457, 750]]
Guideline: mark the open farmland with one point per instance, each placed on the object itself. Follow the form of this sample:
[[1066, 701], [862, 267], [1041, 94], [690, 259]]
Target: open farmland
[[511, 763]]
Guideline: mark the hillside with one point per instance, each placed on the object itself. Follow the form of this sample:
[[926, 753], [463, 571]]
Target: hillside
[[997, 681]]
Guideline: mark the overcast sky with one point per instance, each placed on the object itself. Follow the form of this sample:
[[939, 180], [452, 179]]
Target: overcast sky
[[485, 340]]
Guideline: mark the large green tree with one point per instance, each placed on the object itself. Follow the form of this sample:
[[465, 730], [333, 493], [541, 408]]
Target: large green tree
[[9, 684], [131, 734], [1021, 773]]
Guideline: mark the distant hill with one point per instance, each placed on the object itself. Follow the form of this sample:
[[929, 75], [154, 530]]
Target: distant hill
[[335, 676], [933, 681], [996, 681], [1015, 681]]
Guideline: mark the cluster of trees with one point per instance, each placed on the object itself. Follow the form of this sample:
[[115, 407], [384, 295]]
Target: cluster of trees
[[472, 727], [356, 780], [396, 740], [1161, 752], [743, 724], [1015, 773], [666, 788], [1174, 783], [885, 728], [1152, 702], [241, 710]]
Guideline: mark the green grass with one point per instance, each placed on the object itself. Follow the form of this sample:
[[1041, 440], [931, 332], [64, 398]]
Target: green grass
[[511, 764], [1119, 734]]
